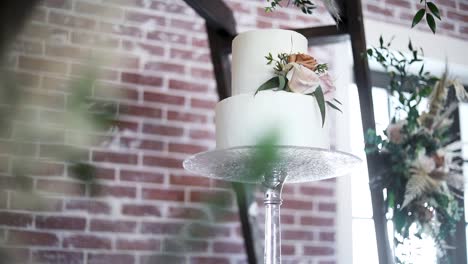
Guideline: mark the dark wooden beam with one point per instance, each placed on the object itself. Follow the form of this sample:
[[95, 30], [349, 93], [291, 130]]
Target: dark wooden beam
[[220, 49], [324, 35], [13, 16], [216, 13], [459, 240], [354, 23]]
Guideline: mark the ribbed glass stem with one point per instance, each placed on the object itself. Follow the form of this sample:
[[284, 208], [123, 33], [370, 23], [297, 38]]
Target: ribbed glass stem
[[272, 203]]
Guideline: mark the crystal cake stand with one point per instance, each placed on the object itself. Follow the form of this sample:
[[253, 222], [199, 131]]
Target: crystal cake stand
[[294, 165]]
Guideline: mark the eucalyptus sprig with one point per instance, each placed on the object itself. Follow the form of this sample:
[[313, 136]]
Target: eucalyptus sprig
[[280, 62]]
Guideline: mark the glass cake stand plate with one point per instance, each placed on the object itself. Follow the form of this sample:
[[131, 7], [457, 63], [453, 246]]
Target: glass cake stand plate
[[294, 164], [272, 167]]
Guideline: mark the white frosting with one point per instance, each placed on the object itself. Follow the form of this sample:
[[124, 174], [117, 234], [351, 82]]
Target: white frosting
[[249, 66], [245, 119]]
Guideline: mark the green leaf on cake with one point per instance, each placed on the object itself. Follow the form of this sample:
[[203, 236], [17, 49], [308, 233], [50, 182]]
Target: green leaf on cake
[[336, 100], [270, 84], [282, 82], [321, 102], [334, 106]]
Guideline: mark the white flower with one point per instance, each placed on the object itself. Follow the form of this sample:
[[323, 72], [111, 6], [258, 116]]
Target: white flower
[[424, 163], [302, 80], [420, 181], [460, 91]]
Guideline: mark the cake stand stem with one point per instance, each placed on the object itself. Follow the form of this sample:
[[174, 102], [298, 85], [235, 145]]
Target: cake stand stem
[[272, 201]]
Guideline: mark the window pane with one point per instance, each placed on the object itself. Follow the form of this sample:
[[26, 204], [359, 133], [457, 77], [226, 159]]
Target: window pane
[[360, 193], [364, 242], [361, 201], [381, 115]]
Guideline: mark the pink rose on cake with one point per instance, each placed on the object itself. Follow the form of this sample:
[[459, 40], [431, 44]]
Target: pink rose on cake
[[328, 86], [301, 79], [305, 81]]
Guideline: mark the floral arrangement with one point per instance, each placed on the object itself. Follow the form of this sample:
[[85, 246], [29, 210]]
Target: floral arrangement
[[424, 157], [301, 73]]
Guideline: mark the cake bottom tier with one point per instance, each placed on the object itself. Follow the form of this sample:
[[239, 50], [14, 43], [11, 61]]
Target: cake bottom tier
[[245, 119]]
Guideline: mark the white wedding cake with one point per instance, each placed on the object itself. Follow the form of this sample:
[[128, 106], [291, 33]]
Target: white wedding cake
[[243, 119]]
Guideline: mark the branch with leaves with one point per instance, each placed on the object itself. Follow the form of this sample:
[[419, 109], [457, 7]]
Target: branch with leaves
[[306, 6], [407, 87], [429, 11]]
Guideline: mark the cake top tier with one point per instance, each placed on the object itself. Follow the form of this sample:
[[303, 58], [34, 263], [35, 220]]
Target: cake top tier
[[249, 68]]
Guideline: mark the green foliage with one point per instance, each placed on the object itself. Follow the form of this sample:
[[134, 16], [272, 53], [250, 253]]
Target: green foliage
[[270, 84], [411, 142], [321, 68], [82, 171], [84, 115], [274, 4], [431, 22], [434, 10], [282, 59], [282, 84], [81, 106], [373, 141], [265, 156], [306, 6], [407, 87], [430, 10], [418, 17], [332, 105], [318, 93]]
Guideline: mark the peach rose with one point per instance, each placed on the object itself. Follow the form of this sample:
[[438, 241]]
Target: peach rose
[[302, 80], [303, 59]]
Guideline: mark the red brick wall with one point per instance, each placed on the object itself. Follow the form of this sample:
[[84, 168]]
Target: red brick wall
[[146, 209]]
